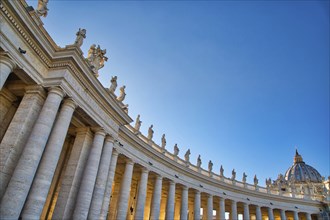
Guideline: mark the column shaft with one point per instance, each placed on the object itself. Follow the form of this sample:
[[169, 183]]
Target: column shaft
[[42, 182], [141, 198], [107, 193], [73, 174], [308, 216], [20, 128], [233, 213], [209, 207], [283, 216], [170, 201], [125, 190], [87, 184], [20, 183], [7, 66], [258, 213], [155, 205], [222, 209], [101, 180], [270, 214], [197, 205], [295, 215], [246, 215], [184, 203]]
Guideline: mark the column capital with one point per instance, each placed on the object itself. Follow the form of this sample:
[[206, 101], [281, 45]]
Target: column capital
[[109, 138], [99, 131], [5, 60], [70, 102], [158, 177], [197, 192], [184, 187], [144, 170], [209, 195], [171, 182], [115, 152], [129, 161], [56, 90]]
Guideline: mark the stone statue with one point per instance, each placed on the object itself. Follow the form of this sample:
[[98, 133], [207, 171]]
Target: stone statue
[[137, 123], [255, 180], [150, 132], [244, 178], [268, 182], [96, 58], [122, 94], [42, 9], [221, 171], [210, 166], [81, 34], [113, 85], [176, 150], [163, 141], [233, 175], [199, 161], [187, 156]]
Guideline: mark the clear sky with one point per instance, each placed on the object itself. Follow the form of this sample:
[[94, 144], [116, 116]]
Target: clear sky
[[243, 83]]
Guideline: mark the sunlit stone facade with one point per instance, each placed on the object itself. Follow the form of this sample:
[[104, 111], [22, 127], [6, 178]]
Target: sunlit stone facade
[[68, 150]]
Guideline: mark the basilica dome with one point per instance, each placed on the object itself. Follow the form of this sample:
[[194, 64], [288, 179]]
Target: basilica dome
[[300, 172]]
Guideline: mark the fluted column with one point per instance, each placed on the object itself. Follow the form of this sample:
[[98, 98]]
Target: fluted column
[[101, 180], [270, 213], [8, 107], [170, 201], [20, 128], [295, 215], [87, 184], [222, 209], [283, 216], [197, 205], [233, 213], [155, 204], [258, 213], [308, 216], [7, 66], [42, 182], [246, 215], [184, 203], [108, 188], [141, 198], [20, 183], [125, 190]]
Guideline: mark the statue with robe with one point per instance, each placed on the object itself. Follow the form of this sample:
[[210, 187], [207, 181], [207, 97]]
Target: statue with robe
[[81, 35], [113, 85], [150, 132], [163, 141], [176, 150], [187, 156], [122, 94], [42, 9], [199, 161]]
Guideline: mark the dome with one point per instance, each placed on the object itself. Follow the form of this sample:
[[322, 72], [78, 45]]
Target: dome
[[300, 172]]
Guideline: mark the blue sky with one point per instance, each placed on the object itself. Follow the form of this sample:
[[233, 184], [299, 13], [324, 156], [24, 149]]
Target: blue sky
[[243, 83]]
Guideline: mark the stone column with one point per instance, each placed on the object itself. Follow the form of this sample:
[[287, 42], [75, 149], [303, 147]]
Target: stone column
[[295, 215], [270, 213], [73, 174], [233, 214], [125, 190], [43, 179], [308, 216], [283, 216], [258, 213], [101, 180], [7, 66], [155, 204], [209, 207], [197, 205], [141, 198], [222, 209], [246, 215], [170, 201], [184, 203], [20, 183], [20, 128], [87, 184], [108, 188]]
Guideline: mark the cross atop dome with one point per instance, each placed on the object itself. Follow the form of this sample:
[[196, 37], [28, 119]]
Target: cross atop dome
[[297, 158]]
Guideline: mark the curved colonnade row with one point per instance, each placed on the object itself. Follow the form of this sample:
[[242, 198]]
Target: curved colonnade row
[[68, 151]]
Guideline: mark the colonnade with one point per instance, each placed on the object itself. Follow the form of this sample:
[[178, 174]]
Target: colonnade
[[44, 174]]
